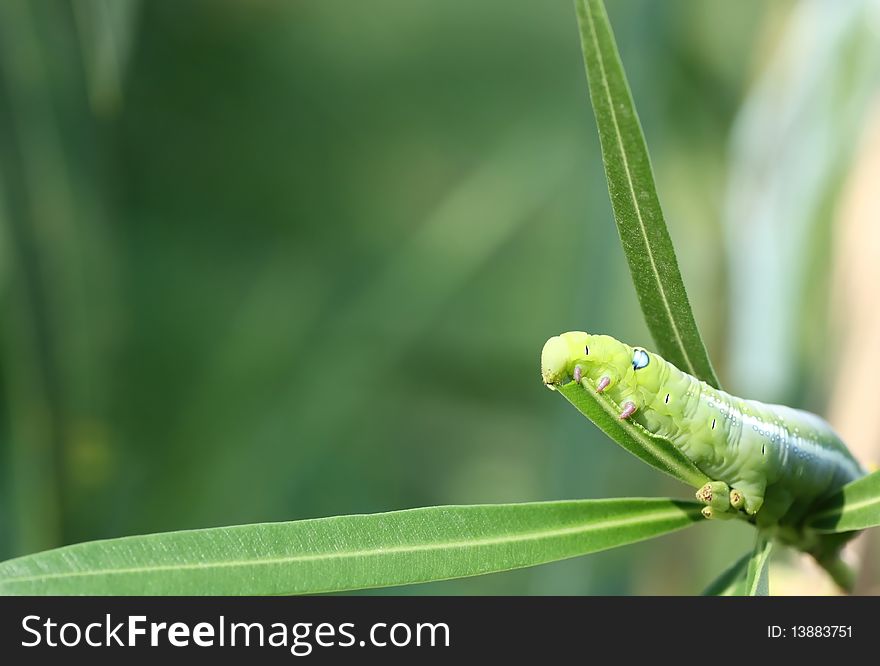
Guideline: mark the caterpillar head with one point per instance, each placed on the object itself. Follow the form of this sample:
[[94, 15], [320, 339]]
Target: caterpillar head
[[600, 359]]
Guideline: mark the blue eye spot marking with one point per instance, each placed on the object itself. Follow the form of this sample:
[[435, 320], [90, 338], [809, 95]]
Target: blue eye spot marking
[[640, 359]]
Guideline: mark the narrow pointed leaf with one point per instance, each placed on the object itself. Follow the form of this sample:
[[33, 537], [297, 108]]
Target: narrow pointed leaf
[[346, 552], [732, 581], [631, 436], [640, 221], [855, 507], [757, 572]]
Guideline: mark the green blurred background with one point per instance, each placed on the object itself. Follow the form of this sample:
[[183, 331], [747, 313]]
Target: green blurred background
[[277, 260]]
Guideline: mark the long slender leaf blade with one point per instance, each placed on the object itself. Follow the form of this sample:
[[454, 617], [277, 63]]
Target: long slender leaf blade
[[631, 436], [757, 572], [732, 581], [855, 507], [346, 552], [640, 221]]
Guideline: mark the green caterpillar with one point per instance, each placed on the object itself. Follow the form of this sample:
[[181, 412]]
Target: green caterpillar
[[772, 462]]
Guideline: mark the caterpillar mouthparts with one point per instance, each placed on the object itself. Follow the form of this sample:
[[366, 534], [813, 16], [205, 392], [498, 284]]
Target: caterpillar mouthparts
[[554, 361]]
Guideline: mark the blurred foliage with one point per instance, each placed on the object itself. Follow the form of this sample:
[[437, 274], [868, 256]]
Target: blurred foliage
[[792, 151], [276, 260]]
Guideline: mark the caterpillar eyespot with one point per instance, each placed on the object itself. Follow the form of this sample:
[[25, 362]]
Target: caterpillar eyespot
[[640, 359], [780, 461]]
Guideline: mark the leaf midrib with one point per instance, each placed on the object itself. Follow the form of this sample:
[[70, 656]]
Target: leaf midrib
[[846, 509]]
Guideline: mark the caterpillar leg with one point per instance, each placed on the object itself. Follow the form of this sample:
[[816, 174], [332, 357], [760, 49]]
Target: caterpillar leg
[[578, 375], [714, 514], [748, 496], [715, 494], [737, 499], [724, 502], [629, 408]]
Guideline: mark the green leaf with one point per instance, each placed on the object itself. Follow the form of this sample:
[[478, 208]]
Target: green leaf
[[631, 436], [732, 582], [855, 507], [640, 222], [107, 31], [757, 572], [346, 552]]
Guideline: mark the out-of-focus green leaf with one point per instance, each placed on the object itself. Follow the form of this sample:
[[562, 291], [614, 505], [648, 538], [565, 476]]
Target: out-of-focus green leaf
[[757, 572], [346, 552], [640, 221], [811, 98], [106, 30], [732, 581], [631, 436], [855, 507], [56, 340]]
